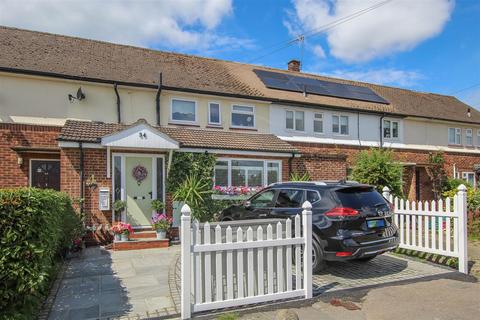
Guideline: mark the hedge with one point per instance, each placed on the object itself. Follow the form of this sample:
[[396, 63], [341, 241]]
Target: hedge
[[36, 227]]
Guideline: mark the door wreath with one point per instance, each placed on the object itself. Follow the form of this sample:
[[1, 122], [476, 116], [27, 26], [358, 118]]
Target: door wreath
[[139, 173]]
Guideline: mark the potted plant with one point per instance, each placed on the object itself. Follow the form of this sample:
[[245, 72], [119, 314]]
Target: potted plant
[[117, 232], [123, 229], [161, 223], [119, 206]]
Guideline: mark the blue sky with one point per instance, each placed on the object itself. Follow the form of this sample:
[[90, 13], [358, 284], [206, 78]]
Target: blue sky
[[425, 45]]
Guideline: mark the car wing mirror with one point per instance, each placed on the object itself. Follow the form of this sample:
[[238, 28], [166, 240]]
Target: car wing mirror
[[248, 204]]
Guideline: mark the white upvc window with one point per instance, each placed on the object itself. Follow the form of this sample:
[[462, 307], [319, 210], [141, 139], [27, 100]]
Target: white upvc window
[[478, 137], [340, 125], [230, 172], [391, 129], [295, 120], [469, 177], [214, 113], [243, 116], [183, 111], [318, 122], [469, 137], [454, 136]]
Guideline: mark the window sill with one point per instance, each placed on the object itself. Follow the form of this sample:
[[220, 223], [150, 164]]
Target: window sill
[[241, 128], [214, 126], [184, 124]]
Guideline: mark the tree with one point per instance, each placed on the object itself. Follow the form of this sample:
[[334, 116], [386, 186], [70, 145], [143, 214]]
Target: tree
[[377, 167]]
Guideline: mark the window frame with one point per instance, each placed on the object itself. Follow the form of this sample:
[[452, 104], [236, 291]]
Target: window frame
[[340, 125], [183, 121], [323, 122], [391, 122], [219, 123], [294, 120], [469, 136], [253, 113], [466, 173], [457, 132], [478, 137], [265, 170]]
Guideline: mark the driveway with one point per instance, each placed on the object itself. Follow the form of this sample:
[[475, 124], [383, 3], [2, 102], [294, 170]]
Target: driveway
[[143, 284], [121, 284]]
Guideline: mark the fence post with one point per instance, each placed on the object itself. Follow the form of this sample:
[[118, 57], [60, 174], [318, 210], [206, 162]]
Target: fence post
[[307, 252], [462, 229], [185, 260], [386, 193]]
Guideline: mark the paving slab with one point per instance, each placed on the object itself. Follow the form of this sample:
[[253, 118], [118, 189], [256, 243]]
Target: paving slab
[[103, 284]]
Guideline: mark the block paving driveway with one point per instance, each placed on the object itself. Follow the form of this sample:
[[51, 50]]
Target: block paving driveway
[[146, 283]]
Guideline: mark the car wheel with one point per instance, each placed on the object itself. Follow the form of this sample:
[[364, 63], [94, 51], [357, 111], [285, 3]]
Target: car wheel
[[366, 259], [318, 261]]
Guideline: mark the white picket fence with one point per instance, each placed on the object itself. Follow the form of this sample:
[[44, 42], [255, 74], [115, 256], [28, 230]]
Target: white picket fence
[[438, 227], [258, 263]]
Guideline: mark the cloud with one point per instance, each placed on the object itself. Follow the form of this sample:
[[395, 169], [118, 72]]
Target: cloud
[[176, 24], [394, 27], [385, 76], [319, 52]]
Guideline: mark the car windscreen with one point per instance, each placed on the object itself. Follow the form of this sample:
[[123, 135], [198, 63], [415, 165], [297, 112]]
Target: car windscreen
[[360, 198]]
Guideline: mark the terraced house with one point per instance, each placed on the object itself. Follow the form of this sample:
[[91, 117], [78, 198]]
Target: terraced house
[[81, 116]]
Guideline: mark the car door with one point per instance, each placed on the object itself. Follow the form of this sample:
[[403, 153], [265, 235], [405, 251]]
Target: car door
[[288, 203], [260, 205]]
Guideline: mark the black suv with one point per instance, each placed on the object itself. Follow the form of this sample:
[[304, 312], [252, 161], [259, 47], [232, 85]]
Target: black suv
[[350, 220]]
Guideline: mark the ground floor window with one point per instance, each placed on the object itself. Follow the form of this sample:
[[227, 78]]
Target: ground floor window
[[247, 172], [469, 177], [45, 174]]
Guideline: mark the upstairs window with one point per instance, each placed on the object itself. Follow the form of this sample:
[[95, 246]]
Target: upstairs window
[[340, 125], [454, 136], [318, 123], [295, 120], [469, 137], [214, 113], [184, 111], [478, 137], [243, 116], [390, 129]]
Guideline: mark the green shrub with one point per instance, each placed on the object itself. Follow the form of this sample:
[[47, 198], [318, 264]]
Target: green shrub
[[36, 227], [378, 168]]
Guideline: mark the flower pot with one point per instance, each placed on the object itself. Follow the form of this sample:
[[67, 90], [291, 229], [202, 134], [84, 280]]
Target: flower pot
[[124, 237], [161, 234], [117, 237]]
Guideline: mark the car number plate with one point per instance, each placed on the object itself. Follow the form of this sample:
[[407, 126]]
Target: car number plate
[[376, 223]]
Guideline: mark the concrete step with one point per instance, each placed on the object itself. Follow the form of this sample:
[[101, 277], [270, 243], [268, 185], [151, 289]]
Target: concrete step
[[141, 243]]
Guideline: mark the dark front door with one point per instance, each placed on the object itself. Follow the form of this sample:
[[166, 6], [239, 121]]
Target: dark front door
[[45, 174]]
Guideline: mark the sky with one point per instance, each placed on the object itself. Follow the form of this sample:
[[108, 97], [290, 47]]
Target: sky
[[424, 45]]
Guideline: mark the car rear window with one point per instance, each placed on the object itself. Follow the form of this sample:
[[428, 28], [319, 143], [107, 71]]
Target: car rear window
[[358, 198]]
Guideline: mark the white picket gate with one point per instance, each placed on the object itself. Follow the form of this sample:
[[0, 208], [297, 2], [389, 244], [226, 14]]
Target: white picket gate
[[248, 265], [438, 227]]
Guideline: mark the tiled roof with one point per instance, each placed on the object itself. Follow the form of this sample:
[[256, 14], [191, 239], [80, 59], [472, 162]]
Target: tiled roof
[[70, 56], [92, 132]]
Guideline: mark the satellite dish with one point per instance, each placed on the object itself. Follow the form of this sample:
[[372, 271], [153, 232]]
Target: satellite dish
[[80, 94]]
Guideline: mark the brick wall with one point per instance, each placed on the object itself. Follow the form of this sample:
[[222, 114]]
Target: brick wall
[[320, 162], [21, 135]]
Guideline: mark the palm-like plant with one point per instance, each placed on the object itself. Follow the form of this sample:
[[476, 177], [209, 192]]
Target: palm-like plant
[[296, 176], [193, 191]]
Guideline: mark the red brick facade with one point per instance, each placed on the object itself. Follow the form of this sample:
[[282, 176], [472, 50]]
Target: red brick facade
[[321, 161], [32, 139]]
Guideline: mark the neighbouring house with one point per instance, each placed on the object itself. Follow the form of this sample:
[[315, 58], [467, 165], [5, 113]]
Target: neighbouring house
[[81, 116]]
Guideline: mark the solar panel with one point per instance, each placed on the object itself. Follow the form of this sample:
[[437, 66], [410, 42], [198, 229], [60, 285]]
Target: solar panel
[[282, 81]]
